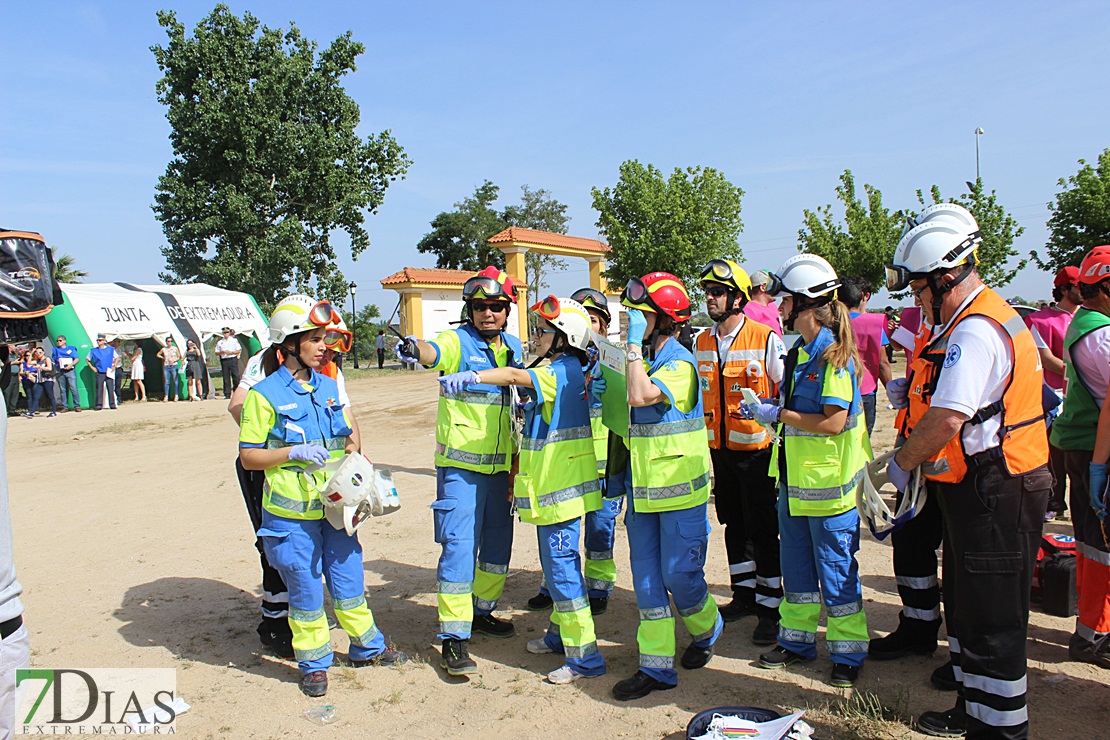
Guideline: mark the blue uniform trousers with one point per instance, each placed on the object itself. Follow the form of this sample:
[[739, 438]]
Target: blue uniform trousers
[[474, 526], [599, 533], [562, 571]]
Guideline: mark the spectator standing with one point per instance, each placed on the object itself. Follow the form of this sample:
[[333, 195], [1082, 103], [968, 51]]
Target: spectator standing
[[138, 373], [65, 360], [100, 359], [871, 341], [194, 368], [44, 383], [228, 349], [10, 367], [762, 306], [381, 349], [170, 357], [1049, 326], [28, 373], [117, 370]]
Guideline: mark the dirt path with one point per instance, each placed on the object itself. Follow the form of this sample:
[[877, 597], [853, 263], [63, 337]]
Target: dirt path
[[134, 549]]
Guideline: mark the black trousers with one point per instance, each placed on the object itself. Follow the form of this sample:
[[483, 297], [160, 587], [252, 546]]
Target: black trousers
[[381, 358], [1057, 501], [992, 529], [915, 569], [229, 366], [744, 495], [275, 596]]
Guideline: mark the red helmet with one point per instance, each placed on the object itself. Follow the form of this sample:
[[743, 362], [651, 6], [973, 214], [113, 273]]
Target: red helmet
[[491, 283], [658, 292], [1096, 266]]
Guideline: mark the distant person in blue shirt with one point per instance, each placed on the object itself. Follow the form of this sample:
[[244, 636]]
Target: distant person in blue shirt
[[65, 359], [100, 359]]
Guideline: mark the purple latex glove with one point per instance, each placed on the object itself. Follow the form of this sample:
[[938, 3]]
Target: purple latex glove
[[900, 478], [457, 382], [309, 453], [896, 391], [765, 413]]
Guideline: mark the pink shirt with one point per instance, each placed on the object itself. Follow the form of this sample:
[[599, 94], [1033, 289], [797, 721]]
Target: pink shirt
[[869, 328], [1051, 324], [767, 315]]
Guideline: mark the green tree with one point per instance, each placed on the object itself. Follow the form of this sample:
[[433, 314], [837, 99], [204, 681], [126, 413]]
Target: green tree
[[366, 332], [460, 239], [866, 240], [65, 268], [266, 162], [674, 224], [1080, 217], [998, 227], [538, 210]]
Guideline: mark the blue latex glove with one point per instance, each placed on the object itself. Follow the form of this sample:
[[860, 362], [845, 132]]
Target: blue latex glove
[[765, 413], [637, 326], [597, 387], [309, 453], [457, 382], [1098, 488], [897, 391], [406, 351], [900, 478]]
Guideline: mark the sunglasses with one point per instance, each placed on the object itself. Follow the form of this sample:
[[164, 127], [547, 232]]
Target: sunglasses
[[494, 306], [548, 308], [716, 291]]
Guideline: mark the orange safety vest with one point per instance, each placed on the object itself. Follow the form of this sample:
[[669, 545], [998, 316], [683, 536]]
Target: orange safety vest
[[745, 366], [1024, 441], [902, 420]]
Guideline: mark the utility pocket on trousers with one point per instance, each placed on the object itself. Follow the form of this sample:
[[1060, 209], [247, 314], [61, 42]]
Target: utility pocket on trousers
[[279, 549], [443, 520], [998, 563], [691, 545]]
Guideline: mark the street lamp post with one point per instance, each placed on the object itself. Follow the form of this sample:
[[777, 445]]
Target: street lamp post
[[978, 133], [354, 322]]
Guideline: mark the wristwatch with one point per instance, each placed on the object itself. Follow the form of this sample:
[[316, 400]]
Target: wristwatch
[[634, 354]]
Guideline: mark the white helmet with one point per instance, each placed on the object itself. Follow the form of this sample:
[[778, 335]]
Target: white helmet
[[953, 213], [290, 317], [872, 508], [355, 491], [933, 245], [568, 316], [804, 274]]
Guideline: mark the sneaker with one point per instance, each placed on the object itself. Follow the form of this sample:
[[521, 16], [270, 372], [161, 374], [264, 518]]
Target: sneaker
[[456, 658], [539, 646], [539, 602], [1082, 651], [694, 657], [388, 657], [844, 676], [275, 634], [944, 678], [52, 413], [314, 683], [737, 609], [780, 657], [563, 675], [27, 415], [952, 723], [599, 605], [912, 637], [766, 632], [638, 687], [1049, 516], [487, 624]]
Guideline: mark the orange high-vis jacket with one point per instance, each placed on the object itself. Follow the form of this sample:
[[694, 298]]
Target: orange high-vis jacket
[[1024, 441], [745, 366]]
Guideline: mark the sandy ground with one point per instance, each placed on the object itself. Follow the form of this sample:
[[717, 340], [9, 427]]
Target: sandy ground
[[135, 550]]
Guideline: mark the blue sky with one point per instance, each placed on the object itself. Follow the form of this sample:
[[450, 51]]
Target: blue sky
[[781, 97]]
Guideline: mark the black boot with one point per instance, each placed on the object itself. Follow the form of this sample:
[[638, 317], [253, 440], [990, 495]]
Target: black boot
[[913, 637], [952, 723], [456, 658], [276, 635], [738, 608], [539, 602]]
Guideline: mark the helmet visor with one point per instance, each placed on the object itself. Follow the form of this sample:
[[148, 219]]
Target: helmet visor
[[548, 308], [339, 340], [481, 286]]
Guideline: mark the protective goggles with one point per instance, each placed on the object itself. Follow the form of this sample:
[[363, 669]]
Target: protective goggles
[[323, 314], [338, 340], [898, 278], [548, 308], [774, 285], [636, 292], [719, 271], [591, 298], [481, 286]]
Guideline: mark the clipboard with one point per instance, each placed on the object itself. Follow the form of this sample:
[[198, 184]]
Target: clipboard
[[614, 400]]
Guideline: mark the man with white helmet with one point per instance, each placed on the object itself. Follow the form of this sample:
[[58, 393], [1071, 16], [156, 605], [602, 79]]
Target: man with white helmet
[[738, 353], [474, 448], [977, 430]]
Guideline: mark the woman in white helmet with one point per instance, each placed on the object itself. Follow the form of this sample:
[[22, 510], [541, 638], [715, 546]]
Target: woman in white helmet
[[824, 453], [557, 480], [291, 424]]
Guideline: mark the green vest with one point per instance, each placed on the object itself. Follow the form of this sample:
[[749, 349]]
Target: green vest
[[601, 440], [558, 479], [669, 448], [1077, 424]]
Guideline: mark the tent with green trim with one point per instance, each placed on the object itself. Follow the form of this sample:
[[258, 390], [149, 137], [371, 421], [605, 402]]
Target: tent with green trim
[[147, 315]]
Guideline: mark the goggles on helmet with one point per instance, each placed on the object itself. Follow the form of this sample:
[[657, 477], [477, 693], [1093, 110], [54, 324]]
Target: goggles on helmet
[[591, 298], [338, 340], [718, 271], [323, 314], [548, 308], [898, 278], [481, 286], [636, 292], [774, 285]]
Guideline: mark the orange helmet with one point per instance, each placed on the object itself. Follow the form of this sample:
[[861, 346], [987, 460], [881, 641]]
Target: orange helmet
[[658, 292], [490, 284], [1096, 266]]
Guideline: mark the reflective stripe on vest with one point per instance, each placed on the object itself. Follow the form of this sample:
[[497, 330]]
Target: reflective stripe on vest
[[1023, 438], [721, 386]]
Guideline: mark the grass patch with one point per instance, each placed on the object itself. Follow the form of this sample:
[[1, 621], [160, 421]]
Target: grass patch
[[863, 714]]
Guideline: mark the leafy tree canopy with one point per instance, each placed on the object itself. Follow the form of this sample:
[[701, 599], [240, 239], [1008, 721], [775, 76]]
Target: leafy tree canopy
[[538, 210], [266, 161], [998, 227], [866, 240], [1080, 217], [674, 224], [460, 239]]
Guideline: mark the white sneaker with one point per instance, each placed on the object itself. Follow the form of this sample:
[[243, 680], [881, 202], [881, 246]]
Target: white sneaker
[[539, 647], [563, 675]]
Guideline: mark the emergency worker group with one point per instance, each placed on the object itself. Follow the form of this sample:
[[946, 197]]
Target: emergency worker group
[[779, 437]]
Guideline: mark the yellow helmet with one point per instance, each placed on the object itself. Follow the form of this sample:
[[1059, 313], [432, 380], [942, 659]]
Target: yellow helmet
[[729, 274]]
